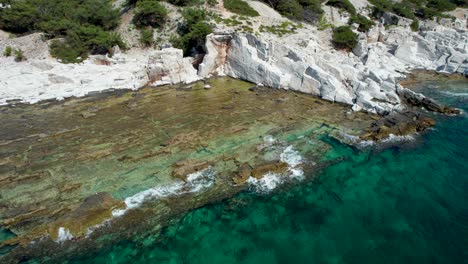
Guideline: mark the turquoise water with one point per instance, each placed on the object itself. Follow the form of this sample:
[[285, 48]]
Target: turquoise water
[[405, 204]]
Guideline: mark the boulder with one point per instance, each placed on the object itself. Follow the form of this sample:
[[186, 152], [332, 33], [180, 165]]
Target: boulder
[[168, 66]]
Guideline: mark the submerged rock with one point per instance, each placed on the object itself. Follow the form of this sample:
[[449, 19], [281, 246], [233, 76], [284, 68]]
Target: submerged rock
[[419, 100], [397, 124]]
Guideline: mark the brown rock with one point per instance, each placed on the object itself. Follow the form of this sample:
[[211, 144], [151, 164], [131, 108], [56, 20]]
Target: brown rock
[[274, 167], [186, 167], [243, 174]]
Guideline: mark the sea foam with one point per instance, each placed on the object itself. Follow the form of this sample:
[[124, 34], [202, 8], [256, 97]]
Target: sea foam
[[195, 182], [63, 235], [270, 180]]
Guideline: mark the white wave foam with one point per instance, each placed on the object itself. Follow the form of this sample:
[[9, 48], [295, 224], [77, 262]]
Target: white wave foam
[[270, 180], [200, 180], [393, 138], [269, 139], [267, 183], [63, 235], [196, 182], [357, 141], [294, 160], [455, 94]]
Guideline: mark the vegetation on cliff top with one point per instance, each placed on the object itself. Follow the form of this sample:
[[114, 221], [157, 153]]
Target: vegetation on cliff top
[[83, 25], [413, 9], [192, 33], [149, 13], [240, 7], [306, 10]]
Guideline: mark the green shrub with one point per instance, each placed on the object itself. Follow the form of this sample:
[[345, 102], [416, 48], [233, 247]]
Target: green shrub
[[68, 52], [149, 13], [404, 10], [364, 23], [20, 18], [193, 32], [461, 3], [381, 6], [426, 9], [441, 5], [343, 4], [344, 38], [19, 56], [427, 13], [8, 51], [415, 25], [146, 37], [82, 24], [307, 10], [312, 10], [189, 2], [211, 2], [290, 8], [240, 7]]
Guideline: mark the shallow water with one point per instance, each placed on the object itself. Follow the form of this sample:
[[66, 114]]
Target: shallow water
[[127, 161], [405, 204]]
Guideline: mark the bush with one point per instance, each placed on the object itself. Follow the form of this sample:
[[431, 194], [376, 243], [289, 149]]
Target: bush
[[344, 37], [343, 4], [364, 23], [20, 18], [404, 10], [312, 10], [8, 51], [240, 7], [19, 55], [68, 52], [149, 13], [381, 6], [411, 9], [146, 37], [80, 23], [441, 5], [290, 8], [188, 2], [192, 34], [307, 10], [415, 25]]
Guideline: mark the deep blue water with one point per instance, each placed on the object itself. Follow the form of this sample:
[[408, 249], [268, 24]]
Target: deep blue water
[[405, 204]]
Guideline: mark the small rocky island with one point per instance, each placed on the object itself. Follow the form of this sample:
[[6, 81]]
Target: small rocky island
[[160, 107]]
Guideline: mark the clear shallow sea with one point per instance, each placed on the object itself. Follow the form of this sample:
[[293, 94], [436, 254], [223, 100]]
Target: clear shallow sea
[[405, 204]]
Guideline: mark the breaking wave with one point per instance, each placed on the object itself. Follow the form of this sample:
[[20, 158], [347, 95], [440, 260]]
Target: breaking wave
[[195, 182], [270, 180], [63, 235]]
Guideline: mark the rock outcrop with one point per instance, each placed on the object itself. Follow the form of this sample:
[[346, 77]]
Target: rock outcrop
[[169, 66], [365, 79], [41, 77]]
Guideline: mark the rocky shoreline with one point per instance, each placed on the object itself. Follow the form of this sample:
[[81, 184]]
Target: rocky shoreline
[[164, 143]]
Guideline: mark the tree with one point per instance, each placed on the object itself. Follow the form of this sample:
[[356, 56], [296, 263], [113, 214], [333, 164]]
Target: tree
[[149, 13], [194, 31]]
